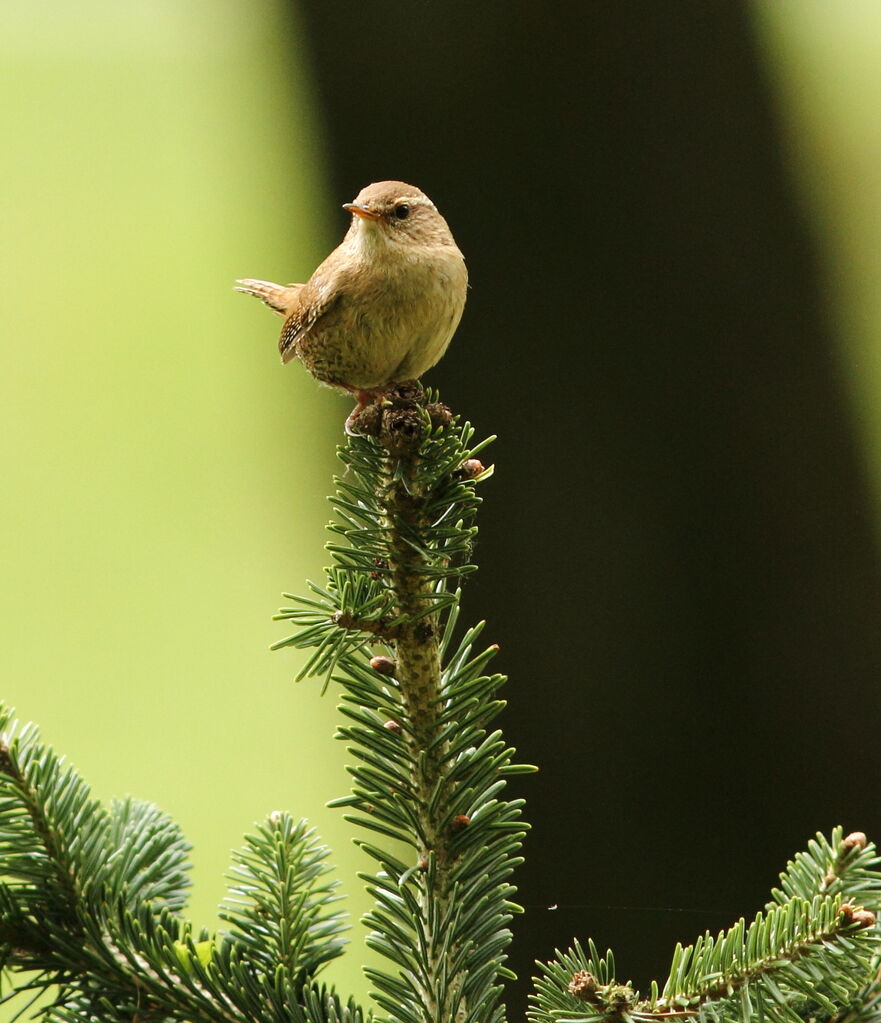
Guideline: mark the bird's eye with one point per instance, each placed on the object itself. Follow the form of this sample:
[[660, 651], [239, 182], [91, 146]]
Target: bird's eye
[[402, 211]]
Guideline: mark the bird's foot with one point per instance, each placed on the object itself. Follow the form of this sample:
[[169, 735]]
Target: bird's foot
[[396, 415], [360, 420]]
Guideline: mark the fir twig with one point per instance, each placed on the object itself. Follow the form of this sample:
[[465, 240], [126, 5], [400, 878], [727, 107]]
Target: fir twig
[[429, 776], [89, 902], [807, 956]]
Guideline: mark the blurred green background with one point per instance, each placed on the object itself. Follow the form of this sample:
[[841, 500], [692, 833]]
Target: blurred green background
[[163, 479], [672, 219]]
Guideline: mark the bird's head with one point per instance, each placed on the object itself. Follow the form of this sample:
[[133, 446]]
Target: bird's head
[[397, 213]]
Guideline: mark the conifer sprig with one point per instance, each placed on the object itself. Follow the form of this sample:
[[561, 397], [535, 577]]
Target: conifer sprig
[[90, 899], [413, 462], [809, 954], [429, 775], [279, 901]]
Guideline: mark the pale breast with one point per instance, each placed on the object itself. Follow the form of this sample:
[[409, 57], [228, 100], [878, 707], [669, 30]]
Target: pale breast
[[432, 323], [370, 327]]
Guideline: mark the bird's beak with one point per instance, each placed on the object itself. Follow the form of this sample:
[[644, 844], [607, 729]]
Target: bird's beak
[[361, 211]]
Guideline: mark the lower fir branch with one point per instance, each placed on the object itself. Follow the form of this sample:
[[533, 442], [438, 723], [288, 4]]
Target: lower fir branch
[[835, 940], [845, 924]]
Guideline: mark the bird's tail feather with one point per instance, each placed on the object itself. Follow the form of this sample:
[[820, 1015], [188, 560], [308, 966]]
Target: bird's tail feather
[[279, 297]]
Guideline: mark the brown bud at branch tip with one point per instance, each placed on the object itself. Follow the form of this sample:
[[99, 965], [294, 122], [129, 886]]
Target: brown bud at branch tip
[[583, 986], [855, 840], [460, 822], [472, 467], [851, 914], [383, 665], [439, 414], [393, 726]]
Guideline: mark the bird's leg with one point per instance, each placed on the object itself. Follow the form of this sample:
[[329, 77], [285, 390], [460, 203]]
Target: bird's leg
[[365, 398]]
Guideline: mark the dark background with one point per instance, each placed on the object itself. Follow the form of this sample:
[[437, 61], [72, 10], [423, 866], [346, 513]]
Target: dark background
[[676, 553]]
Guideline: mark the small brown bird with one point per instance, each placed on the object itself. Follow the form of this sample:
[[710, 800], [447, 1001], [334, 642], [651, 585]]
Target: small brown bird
[[383, 306]]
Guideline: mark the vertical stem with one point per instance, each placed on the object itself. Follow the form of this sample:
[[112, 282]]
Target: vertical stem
[[417, 649], [417, 646]]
